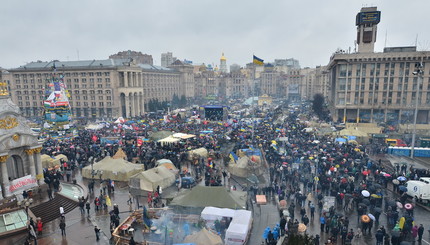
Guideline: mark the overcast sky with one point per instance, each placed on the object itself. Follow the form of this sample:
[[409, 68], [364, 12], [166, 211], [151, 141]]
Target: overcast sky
[[200, 30]]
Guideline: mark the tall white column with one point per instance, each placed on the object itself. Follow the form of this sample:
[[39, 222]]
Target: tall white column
[[39, 167], [32, 166], [4, 174], [125, 79]]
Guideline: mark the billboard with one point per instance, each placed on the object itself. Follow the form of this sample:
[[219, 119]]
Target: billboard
[[293, 89], [372, 17]]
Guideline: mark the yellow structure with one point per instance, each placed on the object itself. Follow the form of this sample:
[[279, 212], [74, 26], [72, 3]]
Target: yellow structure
[[264, 100]]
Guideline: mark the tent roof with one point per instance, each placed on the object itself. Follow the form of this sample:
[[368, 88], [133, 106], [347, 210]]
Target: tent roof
[[169, 139], [183, 136], [120, 154], [160, 135], [115, 165], [204, 237], [352, 132], [215, 196]]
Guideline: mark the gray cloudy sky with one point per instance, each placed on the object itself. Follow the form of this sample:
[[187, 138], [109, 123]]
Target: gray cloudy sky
[[200, 30]]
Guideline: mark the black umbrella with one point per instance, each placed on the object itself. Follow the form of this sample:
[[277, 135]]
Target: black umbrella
[[378, 210], [391, 203], [366, 202], [377, 186], [362, 204]]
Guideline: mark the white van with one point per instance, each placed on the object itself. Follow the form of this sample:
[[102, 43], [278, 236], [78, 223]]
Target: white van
[[419, 189]]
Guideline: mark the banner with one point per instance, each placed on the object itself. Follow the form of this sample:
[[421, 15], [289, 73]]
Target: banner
[[18, 185]]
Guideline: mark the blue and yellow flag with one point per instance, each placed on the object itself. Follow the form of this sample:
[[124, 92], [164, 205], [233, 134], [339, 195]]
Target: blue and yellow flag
[[257, 60], [233, 157]]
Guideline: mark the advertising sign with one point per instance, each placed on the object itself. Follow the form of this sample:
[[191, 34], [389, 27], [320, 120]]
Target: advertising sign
[[18, 185], [372, 17], [293, 88]]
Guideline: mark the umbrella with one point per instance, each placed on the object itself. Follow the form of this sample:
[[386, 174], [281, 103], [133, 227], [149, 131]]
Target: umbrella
[[409, 206], [365, 193], [365, 172], [302, 227], [362, 204], [366, 202], [399, 204], [391, 203], [403, 188], [365, 219], [377, 186], [396, 182], [401, 178], [376, 196], [387, 175], [378, 210], [371, 217]]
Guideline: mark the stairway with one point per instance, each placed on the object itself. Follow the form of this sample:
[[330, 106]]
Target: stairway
[[50, 210]]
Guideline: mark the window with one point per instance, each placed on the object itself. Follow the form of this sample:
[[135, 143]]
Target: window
[[85, 97], [93, 97], [99, 85], [100, 97], [107, 80], [100, 91], [78, 97], [93, 104], [98, 73], [92, 92], [91, 74], [84, 80], [99, 80], [108, 98], [78, 103], [107, 74], [101, 104], [83, 74]]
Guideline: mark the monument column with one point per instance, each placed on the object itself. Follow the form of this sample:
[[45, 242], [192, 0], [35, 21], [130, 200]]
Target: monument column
[[39, 168], [4, 174], [30, 155]]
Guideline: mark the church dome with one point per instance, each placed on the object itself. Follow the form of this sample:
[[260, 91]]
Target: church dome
[[223, 57]]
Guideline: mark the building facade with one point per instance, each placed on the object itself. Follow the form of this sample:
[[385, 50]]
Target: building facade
[[369, 86], [97, 88], [138, 57], [167, 59]]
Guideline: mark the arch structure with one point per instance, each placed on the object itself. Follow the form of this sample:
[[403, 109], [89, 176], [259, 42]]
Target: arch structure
[[20, 161]]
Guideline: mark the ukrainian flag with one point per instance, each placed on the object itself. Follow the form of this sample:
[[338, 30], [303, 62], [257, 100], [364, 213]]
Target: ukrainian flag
[[257, 60], [233, 157]]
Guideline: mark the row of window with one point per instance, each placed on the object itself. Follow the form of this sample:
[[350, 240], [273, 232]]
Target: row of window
[[77, 97], [100, 104], [67, 74]]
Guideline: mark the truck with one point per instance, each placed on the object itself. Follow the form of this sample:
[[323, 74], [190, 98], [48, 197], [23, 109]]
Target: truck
[[419, 189], [395, 142]]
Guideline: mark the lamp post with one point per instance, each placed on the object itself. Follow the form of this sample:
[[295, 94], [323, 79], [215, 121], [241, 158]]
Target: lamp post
[[418, 72]]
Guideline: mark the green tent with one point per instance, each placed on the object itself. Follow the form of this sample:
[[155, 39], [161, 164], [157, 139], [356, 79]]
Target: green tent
[[211, 196]]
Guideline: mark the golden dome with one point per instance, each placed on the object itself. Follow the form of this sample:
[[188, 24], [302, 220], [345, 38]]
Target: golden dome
[[222, 57]]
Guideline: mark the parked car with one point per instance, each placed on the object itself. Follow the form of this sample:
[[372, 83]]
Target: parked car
[[187, 182]]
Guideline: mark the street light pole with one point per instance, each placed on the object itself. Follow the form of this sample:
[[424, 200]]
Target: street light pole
[[418, 72]]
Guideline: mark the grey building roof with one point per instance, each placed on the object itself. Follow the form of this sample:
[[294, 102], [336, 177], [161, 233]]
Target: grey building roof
[[75, 64], [156, 68]]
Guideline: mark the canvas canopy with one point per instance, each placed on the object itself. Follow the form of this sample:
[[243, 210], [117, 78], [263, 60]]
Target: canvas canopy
[[352, 132], [183, 136], [237, 232], [244, 167], [49, 162], [149, 180], [169, 140], [160, 135], [199, 151], [204, 237], [210, 214], [167, 164], [215, 196], [114, 169]]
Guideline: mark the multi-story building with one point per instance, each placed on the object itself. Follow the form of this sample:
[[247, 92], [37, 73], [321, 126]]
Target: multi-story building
[[97, 88], [167, 59], [370, 86], [314, 81], [137, 57]]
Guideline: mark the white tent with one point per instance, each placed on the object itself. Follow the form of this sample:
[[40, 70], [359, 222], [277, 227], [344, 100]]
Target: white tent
[[183, 136], [210, 214], [149, 180], [169, 140], [239, 227], [114, 169], [120, 120]]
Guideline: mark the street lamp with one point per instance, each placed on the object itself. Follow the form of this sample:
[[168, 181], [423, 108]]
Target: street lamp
[[418, 72]]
